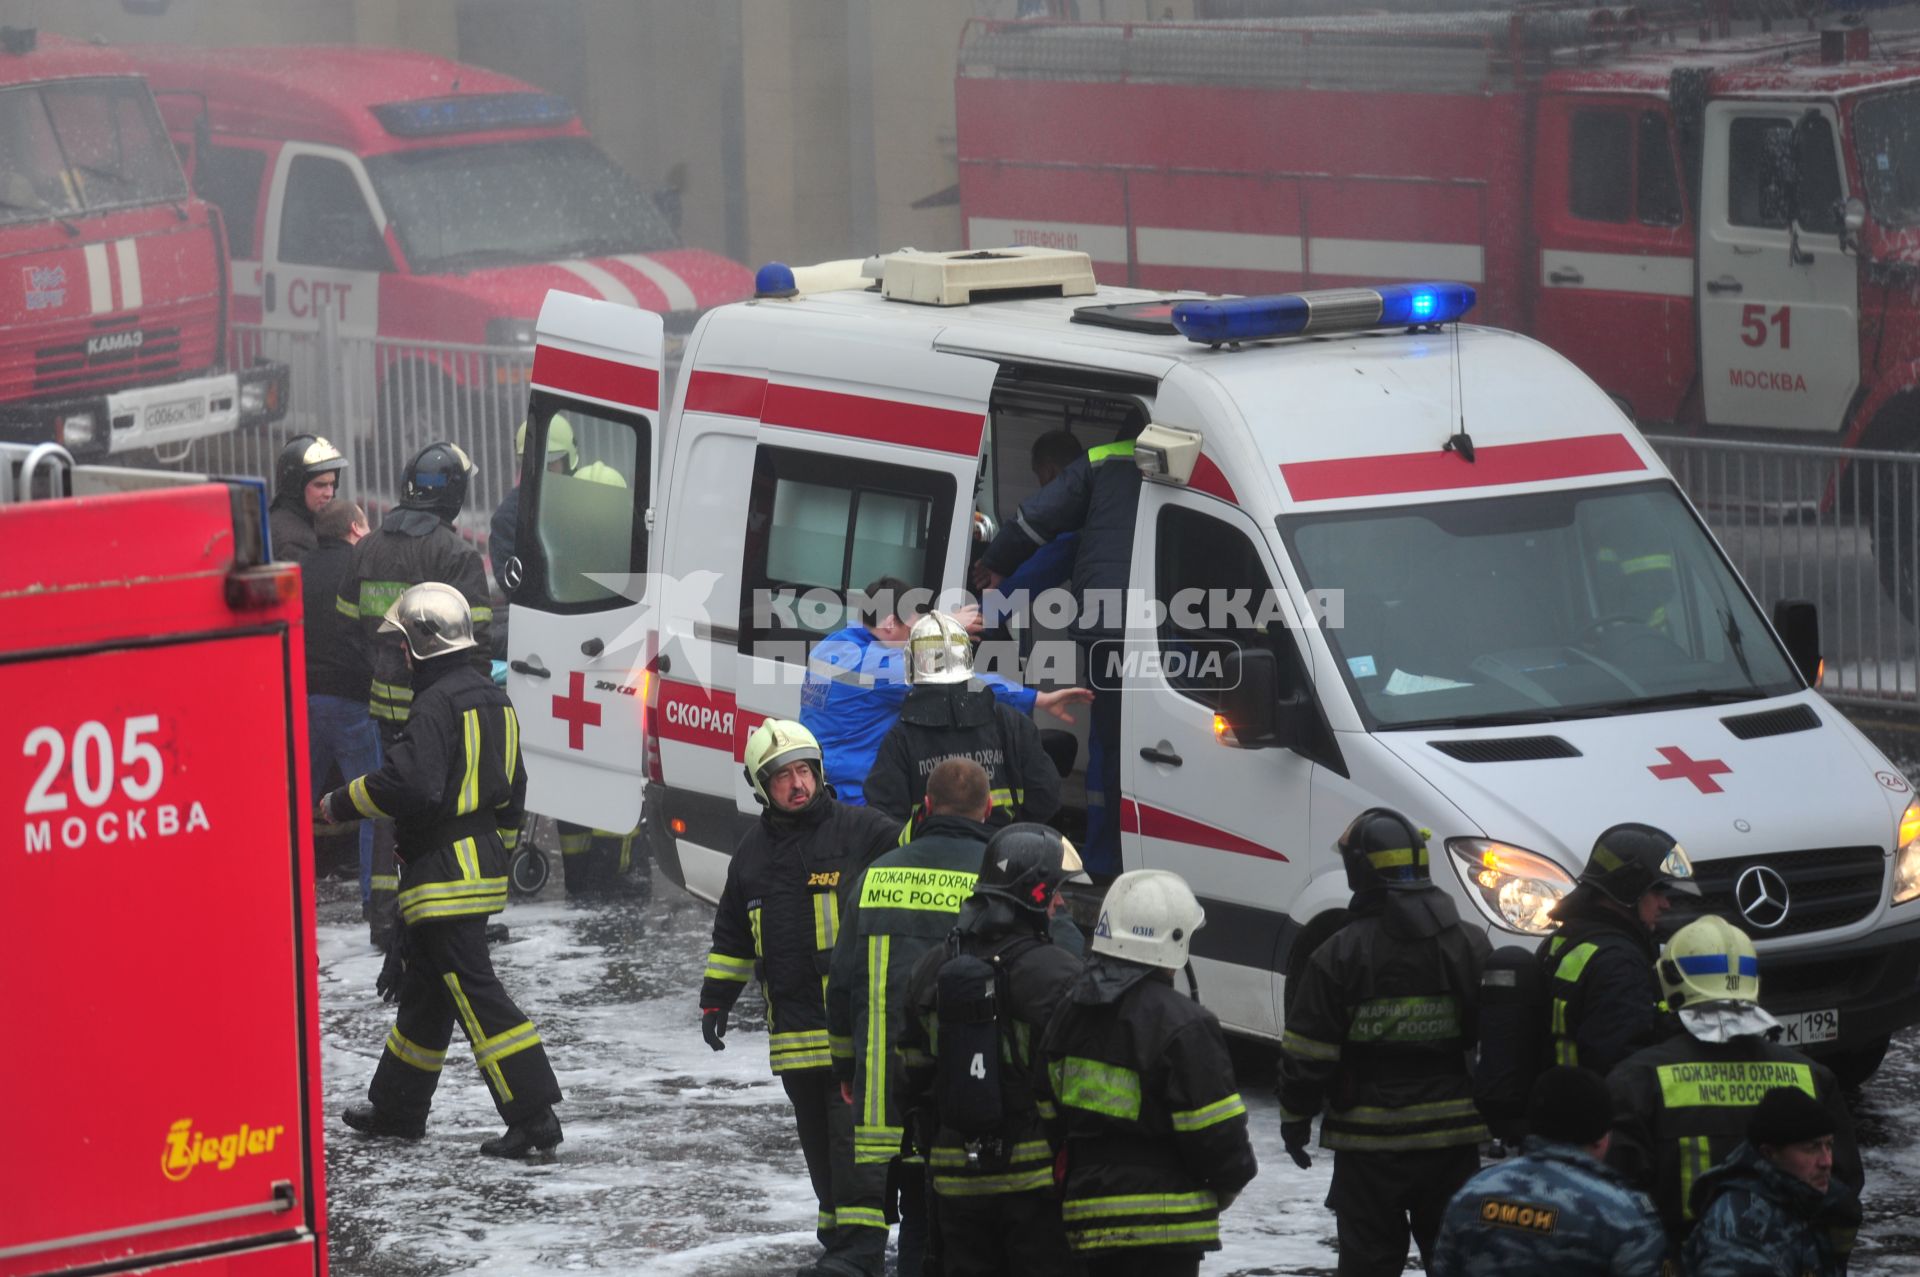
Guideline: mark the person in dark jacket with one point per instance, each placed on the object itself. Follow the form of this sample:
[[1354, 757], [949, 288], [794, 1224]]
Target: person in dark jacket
[[306, 476], [414, 544], [1681, 1106], [1380, 1033], [987, 1145], [947, 715], [779, 913], [1558, 1208], [503, 530], [455, 787], [339, 730], [1097, 496], [1606, 1000], [900, 907], [1154, 1129], [1774, 1208]]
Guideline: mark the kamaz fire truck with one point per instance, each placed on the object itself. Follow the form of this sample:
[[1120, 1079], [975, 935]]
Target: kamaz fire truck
[[160, 1090], [1714, 212], [113, 275]]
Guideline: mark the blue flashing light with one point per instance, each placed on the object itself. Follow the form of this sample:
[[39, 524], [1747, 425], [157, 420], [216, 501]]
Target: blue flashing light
[[1342, 310], [775, 279], [473, 113]]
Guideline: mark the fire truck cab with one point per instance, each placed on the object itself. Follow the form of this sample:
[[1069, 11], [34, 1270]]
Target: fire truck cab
[[113, 309], [161, 1087], [407, 197], [1380, 557]]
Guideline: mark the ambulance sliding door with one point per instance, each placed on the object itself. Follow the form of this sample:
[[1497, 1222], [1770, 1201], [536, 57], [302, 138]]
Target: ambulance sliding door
[[865, 464], [1230, 821], [577, 583]]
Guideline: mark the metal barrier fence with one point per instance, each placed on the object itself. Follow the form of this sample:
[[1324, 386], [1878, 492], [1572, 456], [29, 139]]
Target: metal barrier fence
[[380, 401], [1838, 527]]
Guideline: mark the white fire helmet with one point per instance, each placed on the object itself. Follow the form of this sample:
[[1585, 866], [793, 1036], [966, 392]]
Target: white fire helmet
[[1149, 917], [939, 651], [434, 619]]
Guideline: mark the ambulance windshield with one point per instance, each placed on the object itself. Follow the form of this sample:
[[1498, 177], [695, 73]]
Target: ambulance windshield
[[507, 203], [67, 149], [1886, 129], [1535, 607]]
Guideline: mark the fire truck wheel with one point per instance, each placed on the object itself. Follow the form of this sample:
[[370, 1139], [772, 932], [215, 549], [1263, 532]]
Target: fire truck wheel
[[1896, 532], [529, 870]]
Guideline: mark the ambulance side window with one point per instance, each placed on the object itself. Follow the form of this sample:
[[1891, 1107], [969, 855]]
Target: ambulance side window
[[1211, 581], [820, 527], [589, 510], [229, 178], [326, 221]]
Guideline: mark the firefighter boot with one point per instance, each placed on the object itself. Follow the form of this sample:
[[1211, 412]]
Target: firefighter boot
[[369, 1120], [539, 1133]]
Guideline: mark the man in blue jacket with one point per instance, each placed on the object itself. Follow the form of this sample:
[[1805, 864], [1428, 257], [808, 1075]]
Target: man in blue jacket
[[857, 682]]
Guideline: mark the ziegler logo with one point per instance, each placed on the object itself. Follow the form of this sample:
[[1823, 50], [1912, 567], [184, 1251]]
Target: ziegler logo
[[187, 1148], [113, 343]]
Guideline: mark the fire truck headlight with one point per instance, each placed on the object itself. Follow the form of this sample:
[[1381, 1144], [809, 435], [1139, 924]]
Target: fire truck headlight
[[1906, 857], [77, 429], [509, 332], [1515, 888], [253, 398]]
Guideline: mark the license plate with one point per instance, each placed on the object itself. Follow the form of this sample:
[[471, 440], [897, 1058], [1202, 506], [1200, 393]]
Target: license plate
[[1810, 1026], [176, 412]]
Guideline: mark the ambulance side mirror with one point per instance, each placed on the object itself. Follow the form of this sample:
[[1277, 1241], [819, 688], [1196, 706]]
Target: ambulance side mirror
[[1797, 622], [1248, 716]]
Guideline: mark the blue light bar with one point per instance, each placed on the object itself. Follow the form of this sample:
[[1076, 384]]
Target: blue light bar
[[473, 113], [1331, 310]]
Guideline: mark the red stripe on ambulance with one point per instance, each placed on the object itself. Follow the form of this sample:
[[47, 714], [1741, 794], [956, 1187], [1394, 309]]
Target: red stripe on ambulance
[[705, 717], [1494, 465], [726, 394], [829, 412], [1156, 822], [595, 378]]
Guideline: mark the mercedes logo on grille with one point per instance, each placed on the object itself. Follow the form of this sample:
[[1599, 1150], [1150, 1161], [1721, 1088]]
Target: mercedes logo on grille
[[1761, 894]]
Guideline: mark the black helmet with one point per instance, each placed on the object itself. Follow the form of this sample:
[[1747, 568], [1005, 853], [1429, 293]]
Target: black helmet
[[437, 479], [1382, 848], [304, 459], [1629, 860], [1025, 865]]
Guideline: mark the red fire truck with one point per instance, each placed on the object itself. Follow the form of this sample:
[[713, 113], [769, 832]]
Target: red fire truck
[[160, 1090], [113, 276], [1719, 222]]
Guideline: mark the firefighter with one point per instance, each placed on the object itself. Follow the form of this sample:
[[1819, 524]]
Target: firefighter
[[455, 787], [1681, 1107], [1380, 1032], [414, 544], [948, 715], [1557, 1208], [1605, 997], [306, 476], [899, 908], [780, 909], [1153, 1127], [977, 1007], [1774, 1206]]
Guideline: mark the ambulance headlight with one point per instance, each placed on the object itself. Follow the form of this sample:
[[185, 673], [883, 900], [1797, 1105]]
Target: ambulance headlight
[[1515, 888], [1906, 857], [509, 332]]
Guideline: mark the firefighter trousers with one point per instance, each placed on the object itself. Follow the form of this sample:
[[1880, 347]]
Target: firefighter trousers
[[595, 861], [855, 1236], [1380, 1199], [450, 980], [1005, 1233]]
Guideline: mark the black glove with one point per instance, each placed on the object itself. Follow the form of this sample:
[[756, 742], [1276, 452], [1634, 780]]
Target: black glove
[[1295, 1136], [713, 1026], [387, 983]]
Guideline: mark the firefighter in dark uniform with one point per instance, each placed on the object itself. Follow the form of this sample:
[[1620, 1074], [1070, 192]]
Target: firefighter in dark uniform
[[455, 787], [947, 716], [1153, 1126], [1681, 1107], [977, 1007], [414, 543], [1606, 1000], [1380, 1032], [902, 905], [306, 476], [780, 912]]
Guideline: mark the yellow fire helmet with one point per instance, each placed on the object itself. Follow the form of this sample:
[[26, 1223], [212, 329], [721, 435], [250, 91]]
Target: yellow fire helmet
[[773, 745], [1709, 960]]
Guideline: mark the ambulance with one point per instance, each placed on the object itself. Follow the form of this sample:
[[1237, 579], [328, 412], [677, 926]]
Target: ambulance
[[1468, 590]]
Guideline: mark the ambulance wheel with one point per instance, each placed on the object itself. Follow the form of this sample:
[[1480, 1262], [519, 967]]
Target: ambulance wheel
[[528, 873], [1896, 532], [1853, 1068]]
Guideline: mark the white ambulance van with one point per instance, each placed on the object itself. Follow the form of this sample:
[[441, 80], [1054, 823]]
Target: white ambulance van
[[1515, 628]]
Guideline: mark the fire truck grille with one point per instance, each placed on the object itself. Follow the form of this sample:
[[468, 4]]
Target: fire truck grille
[[1826, 888], [128, 355]]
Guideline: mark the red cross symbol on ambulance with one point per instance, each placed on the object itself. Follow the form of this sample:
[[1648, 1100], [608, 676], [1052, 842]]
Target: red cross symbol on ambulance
[[1699, 771], [579, 712]]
